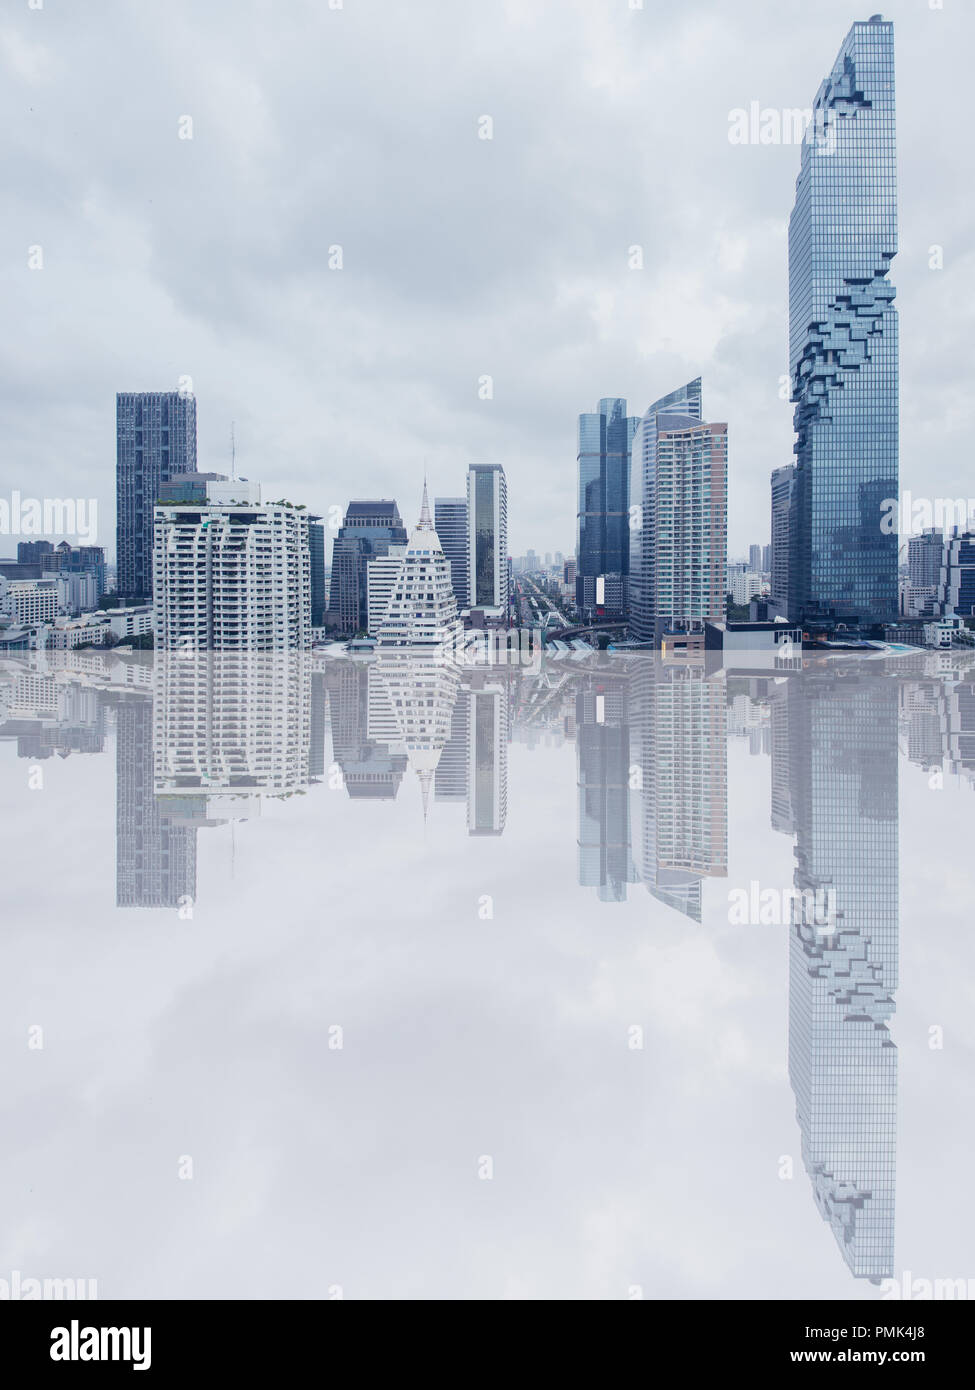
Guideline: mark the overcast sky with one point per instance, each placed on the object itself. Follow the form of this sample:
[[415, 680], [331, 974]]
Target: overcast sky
[[461, 257]]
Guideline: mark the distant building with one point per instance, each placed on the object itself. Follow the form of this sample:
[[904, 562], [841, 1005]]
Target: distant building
[[34, 552], [487, 511], [450, 521], [30, 601], [783, 492], [319, 593], [957, 579], [382, 572], [370, 528]]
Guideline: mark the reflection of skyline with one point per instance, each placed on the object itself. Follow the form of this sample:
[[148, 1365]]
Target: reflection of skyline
[[203, 741], [841, 747]]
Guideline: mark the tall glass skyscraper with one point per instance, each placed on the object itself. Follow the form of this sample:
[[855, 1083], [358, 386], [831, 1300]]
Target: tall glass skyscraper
[[843, 341], [487, 545], [450, 523], [155, 441], [603, 532]]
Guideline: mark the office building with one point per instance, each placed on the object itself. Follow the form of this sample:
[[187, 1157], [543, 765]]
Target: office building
[[155, 442], [843, 342], [487, 511], [316, 550], [370, 528], [783, 483], [450, 521], [957, 579], [30, 602], [605, 440]]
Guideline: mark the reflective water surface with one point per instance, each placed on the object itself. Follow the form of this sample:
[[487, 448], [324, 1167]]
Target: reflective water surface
[[590, 979]]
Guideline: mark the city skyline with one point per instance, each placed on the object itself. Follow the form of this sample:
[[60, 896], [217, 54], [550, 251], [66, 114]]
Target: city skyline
[[742, 355]]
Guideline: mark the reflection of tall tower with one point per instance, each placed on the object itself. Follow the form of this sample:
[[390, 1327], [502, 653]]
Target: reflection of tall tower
[[450, 780], [603, 761], [842, 750], [487, 778], [679, 731], [155, 855], [369, 770], [411, 697]]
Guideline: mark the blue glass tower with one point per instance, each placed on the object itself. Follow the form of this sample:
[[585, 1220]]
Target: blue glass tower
[[603, 532], [843, 342]]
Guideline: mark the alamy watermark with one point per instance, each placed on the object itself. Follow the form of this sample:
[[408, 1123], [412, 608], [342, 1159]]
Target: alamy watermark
[[49, 516], [788, 125], [906, 514], [24, 1288], [756, 906]]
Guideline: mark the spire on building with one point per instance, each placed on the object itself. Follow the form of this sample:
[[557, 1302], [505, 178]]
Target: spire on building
[[425, 522]]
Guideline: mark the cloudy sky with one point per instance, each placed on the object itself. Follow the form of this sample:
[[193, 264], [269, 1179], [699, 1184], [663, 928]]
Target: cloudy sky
[[358, 127]]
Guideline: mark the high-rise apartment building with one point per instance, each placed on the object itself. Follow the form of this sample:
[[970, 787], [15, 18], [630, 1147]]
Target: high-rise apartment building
[[843, 342], [155, 442], [684, 522], [450, 521], [603, 512], [487, 511], [642, 600], [231, 575], [370, 528], [783, 484]]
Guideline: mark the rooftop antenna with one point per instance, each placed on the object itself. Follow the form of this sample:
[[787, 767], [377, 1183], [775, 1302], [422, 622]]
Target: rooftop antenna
[[233, 451]]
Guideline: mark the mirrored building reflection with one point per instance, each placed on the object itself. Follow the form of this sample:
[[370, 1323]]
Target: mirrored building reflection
[[841, 746], [206, 739]]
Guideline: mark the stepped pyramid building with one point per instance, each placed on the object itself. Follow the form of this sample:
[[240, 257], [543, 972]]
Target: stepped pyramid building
[[421, 616]]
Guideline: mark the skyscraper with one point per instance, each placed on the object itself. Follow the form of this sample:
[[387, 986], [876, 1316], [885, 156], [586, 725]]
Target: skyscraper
[[687, 400], [684, 518], [450, 521], [755, 558], [316, 547], [783, 487], [421, 613], [370, 528], [487, 511], [155, 441], [843, 341], [603, 515]]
